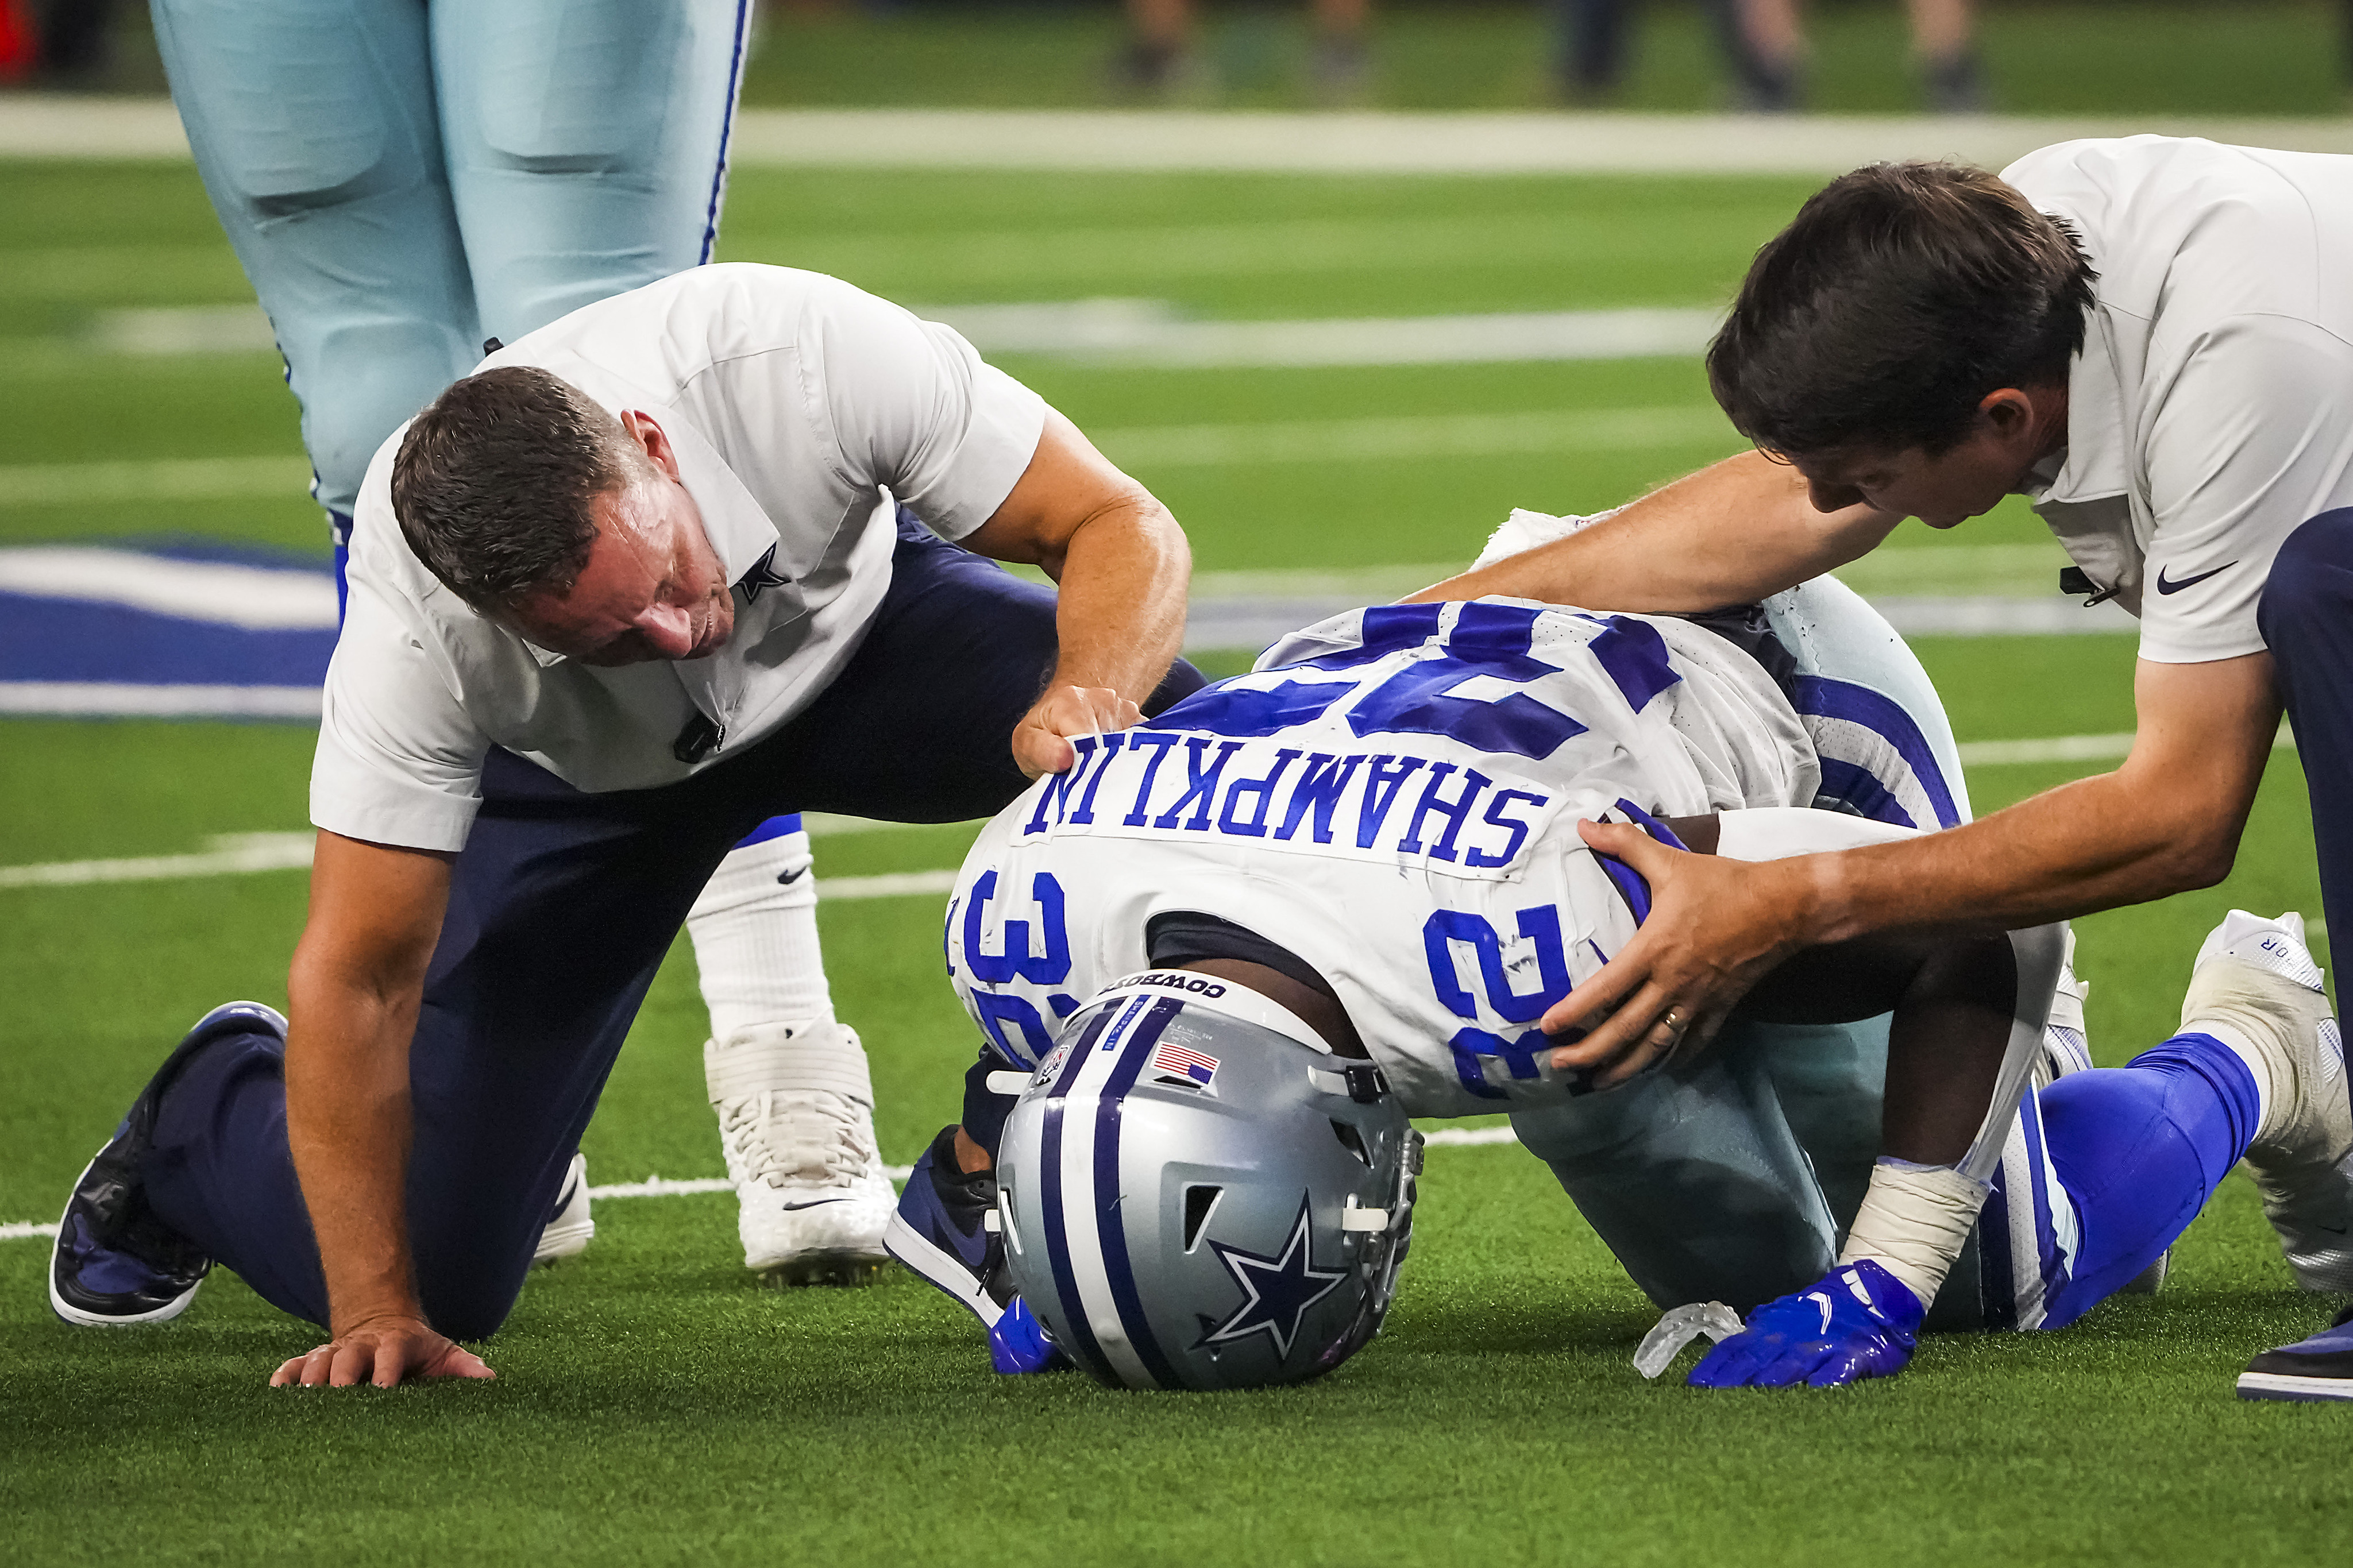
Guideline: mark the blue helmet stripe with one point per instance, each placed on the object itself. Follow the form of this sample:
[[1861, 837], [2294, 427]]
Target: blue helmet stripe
[[1080, 1340], [1111, 1228], [1083, 1344]]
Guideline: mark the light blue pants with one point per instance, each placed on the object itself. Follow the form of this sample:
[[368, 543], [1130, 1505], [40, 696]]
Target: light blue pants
[[1735, 1182], [403, 180]]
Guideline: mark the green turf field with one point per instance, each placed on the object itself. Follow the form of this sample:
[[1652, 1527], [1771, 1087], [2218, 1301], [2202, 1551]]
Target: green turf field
[[655, 1406]]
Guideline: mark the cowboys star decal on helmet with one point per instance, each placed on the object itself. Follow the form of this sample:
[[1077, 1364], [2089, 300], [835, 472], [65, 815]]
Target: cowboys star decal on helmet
[[1276, 1291]]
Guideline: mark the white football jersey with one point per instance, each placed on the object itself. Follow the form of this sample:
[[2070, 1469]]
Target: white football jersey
[[1393, 796]]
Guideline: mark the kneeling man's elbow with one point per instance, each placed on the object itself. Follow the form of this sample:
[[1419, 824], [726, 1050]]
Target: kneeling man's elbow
[[2200, 858]]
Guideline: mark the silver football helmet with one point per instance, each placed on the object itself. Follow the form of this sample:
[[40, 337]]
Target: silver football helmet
[[1193, 1199]]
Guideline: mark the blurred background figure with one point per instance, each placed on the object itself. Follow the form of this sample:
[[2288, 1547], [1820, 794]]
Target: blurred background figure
[[1765, 51], [1769, 56], [63, 44], [1163, 57]]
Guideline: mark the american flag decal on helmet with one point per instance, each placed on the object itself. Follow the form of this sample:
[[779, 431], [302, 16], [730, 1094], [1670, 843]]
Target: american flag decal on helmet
[[1172, 1060]]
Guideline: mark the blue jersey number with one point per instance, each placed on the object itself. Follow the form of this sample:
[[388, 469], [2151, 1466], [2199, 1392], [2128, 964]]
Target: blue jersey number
[[1471, 1046], [1020, 1032], [1489, 640]]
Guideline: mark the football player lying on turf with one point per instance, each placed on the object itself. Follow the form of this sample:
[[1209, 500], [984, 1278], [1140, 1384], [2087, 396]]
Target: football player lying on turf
[[1342, 889]]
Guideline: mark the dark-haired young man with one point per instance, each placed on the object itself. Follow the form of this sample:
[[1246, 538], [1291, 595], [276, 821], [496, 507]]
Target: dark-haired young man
[[2154, 339], [673, 561]]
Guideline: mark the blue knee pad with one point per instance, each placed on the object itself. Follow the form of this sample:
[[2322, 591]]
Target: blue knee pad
[[2138, 1150]]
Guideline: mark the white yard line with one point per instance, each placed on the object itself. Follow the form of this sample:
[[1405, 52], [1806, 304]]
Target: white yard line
[[231, 855], [664, 1187], [893, 885], [126, 699], [1459, 1137], [1143, 333], [1902, 569], [179, 479], [1142, 447], [239, 853], [2070, 749], [1170, 141], [1145, 450], [224, 593], [668, 1187]]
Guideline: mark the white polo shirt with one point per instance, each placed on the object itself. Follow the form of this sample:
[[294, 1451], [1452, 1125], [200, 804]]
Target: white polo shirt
[[2210, 413], [799, 408]]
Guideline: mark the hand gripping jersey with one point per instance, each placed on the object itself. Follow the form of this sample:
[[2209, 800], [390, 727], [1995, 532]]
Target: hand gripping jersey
[[1393, 796]]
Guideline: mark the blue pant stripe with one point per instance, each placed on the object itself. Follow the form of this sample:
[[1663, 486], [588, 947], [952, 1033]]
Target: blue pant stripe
[[726, 128], [1997, 1278], [2048, 1261]]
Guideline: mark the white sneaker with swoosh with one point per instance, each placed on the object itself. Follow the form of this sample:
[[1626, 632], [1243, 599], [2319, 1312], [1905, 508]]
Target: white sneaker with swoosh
[[796, 1123]]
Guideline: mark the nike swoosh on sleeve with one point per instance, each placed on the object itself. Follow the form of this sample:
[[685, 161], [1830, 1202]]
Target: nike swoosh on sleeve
[[2165, 587]]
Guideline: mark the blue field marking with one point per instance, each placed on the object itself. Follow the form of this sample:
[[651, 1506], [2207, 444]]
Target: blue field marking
[[180, 627]]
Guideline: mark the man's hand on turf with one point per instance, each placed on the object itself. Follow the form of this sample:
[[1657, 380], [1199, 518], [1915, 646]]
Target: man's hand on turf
[[1041, 741], [381, 1350], [1716, 927]]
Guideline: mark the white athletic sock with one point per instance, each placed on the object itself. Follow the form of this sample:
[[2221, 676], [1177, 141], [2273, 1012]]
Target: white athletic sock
[[755, 942], [2262, 1066]]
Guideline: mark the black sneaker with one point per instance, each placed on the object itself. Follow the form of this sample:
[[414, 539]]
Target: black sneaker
[[2318, 1368], [114, 1262], [945, 1231]]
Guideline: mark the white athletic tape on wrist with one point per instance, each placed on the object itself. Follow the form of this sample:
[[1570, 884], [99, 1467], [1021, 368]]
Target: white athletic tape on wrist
[[1914, 1221], [776, 1057]]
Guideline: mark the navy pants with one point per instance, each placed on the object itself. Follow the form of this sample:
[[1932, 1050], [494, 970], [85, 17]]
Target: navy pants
[[2306, 617], [561, 907]]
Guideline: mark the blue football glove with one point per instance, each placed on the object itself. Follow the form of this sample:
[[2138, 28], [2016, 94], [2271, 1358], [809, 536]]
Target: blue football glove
[[1857, 1321], [1018, 1342]]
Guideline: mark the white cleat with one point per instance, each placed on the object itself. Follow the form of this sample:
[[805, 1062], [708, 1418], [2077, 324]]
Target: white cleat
[[569, 1230], [2255, 983], [796, 1123]]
